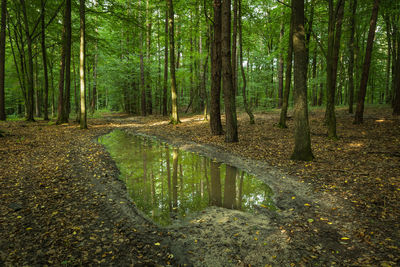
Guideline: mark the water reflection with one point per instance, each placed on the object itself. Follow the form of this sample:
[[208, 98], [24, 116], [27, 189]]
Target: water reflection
[[192, 183]]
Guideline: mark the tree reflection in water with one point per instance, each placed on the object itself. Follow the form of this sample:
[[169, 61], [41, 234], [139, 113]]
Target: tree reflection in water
[[145, 166]]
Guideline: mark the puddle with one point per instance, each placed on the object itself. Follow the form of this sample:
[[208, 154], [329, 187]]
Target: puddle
[[168, 184]]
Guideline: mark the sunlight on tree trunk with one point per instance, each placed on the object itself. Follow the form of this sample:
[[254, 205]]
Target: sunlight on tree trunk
[[82, 57], [174, 95]]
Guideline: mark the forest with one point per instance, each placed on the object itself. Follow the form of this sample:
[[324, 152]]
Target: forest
[[277, 128]]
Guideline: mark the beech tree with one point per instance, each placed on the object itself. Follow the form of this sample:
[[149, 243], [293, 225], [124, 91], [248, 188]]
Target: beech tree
[[358, 118], [82, 61], [302, 140]]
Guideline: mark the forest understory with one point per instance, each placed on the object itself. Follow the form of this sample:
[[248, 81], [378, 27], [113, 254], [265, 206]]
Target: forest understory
[[62, 202]]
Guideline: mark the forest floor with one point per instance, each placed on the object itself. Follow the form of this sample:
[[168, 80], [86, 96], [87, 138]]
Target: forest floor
[[62, 202]]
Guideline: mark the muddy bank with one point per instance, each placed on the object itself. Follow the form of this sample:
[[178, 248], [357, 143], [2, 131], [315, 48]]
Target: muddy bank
[[223, 237]]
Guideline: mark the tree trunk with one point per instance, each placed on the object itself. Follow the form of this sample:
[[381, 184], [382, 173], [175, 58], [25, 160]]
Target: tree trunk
[[288, 75], [314, 76], [82, 57], [2, 58], [353, 8], [149, 103], [30, 106], [231, 134], [67, 95], [246, 106], [334, 34], [396, 79], [174, 95], [165, 89], [280, 69], [94, 97], [234, 46], [44, 55], [358, 118], [302, 140], [216, 65]]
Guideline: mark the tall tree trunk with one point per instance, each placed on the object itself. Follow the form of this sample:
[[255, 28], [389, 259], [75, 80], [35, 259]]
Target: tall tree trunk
[[234, 46], [30, 106], [388, 95], [36, 85], [165, 89], [288, 76], [61, 81], [246, 106], [67, 95], [334, 34], [280, 69], [82, 59], [353, 8], [94, 96], [216, 65], [358, 118], [2, 58], [302, 140], [396, 78], [231, 134], [149, 103], [142, 74], [174, 95], [44, 55]]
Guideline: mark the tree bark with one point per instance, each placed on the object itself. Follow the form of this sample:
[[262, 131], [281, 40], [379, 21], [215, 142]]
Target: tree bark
[[67, 95], [174, 95], [82, 59], [30, 106], [165, 89], [234, 46], [149, 103], [353, 8], [302, 140], [288, 75], [45, 72], [334, 34], [2, 59], [246, 106], [280, 69], [358, 118], [216, 65], [231, 134]]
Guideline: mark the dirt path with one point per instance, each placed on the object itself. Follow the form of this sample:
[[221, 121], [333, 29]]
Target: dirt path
[[60, 195]]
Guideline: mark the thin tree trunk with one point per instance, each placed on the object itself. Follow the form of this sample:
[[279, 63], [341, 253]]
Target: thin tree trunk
[[67, 95], [246, 106], [174, 95], [358, 118], [353, 8], [165, 89], [334, 34], [234, 46], [2, 58], [231, 134], [82, 59], [314, 76], [216, 65], [280, 69], [288, 76], [30, 106], [44, 55], [149, 103], [94, 96], [302, 140], [142, 81]]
